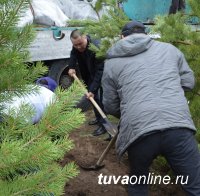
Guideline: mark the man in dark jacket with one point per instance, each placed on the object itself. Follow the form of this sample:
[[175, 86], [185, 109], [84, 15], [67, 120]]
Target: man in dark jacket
[[91, 70], [143, 83]]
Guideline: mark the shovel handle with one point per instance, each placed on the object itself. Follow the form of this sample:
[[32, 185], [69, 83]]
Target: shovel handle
[[106, 151], [90, 98], [113, 140]]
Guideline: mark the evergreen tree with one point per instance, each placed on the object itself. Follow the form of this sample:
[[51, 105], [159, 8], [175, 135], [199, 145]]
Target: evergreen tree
[[29, 153], [178, 30]]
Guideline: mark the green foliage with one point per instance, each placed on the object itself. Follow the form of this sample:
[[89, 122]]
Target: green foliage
[[45, 182], [29, 154], [195, 5], [174, 26], [160, 165], [13, 45]]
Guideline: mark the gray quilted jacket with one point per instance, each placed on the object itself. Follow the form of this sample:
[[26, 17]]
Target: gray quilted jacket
[[143, 84]]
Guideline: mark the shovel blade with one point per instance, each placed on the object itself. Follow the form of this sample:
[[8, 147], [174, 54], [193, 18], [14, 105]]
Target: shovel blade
[[110, 128], [92, 167]]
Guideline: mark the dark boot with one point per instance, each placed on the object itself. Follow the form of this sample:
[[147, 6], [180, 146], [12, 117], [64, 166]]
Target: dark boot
[[93, 122], [108, 138], [99, 131]]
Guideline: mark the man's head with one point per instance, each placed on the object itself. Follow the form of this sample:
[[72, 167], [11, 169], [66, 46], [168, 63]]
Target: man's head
[[79, 41], [133, 27], [48, 83]]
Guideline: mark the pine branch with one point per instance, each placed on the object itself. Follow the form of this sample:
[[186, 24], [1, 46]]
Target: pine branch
[[96, 11], [28, 153], [182, 42], [13, 16], [33, 139]]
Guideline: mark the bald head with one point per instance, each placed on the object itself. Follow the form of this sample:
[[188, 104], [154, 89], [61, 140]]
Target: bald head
[[79, 40]]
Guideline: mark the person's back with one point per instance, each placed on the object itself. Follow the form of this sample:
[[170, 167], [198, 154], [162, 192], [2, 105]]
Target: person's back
[[37, 101], [149, 85], [143, 84]]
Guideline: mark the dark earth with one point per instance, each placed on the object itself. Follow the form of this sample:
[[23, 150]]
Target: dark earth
[[87, 150]]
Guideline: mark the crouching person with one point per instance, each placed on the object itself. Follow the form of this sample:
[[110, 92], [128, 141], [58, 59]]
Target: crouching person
[[143, 84], [38, 101]]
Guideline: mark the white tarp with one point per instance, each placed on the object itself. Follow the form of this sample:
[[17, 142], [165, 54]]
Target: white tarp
[[58, 12], [45, 12]]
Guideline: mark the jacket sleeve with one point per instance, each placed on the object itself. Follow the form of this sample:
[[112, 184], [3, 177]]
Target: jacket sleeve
[[73, 59], [96, 83], [111, 101], [186, 74]]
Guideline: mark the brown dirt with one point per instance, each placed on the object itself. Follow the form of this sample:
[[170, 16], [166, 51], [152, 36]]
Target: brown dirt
[[87, 150]]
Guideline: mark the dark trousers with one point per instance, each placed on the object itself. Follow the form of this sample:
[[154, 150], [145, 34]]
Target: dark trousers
[[84, 103], [98, 99], [180, 149], [176, 5]]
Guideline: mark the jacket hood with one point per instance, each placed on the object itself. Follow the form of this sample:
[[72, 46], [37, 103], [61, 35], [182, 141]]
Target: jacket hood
[[130, 46]]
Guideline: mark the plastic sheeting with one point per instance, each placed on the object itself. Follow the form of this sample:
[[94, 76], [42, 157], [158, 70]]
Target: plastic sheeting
[[45, 12], [37, 102], [58, 12]]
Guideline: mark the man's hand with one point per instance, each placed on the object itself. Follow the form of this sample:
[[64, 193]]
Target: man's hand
[[89, 94], [71, 72]]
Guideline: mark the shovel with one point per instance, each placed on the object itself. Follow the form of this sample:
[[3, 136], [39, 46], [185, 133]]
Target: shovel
[[108, 125], [109, 128], [98, 165]]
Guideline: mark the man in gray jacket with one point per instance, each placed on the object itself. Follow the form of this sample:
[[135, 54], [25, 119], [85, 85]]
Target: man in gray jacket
[[144, 82]]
